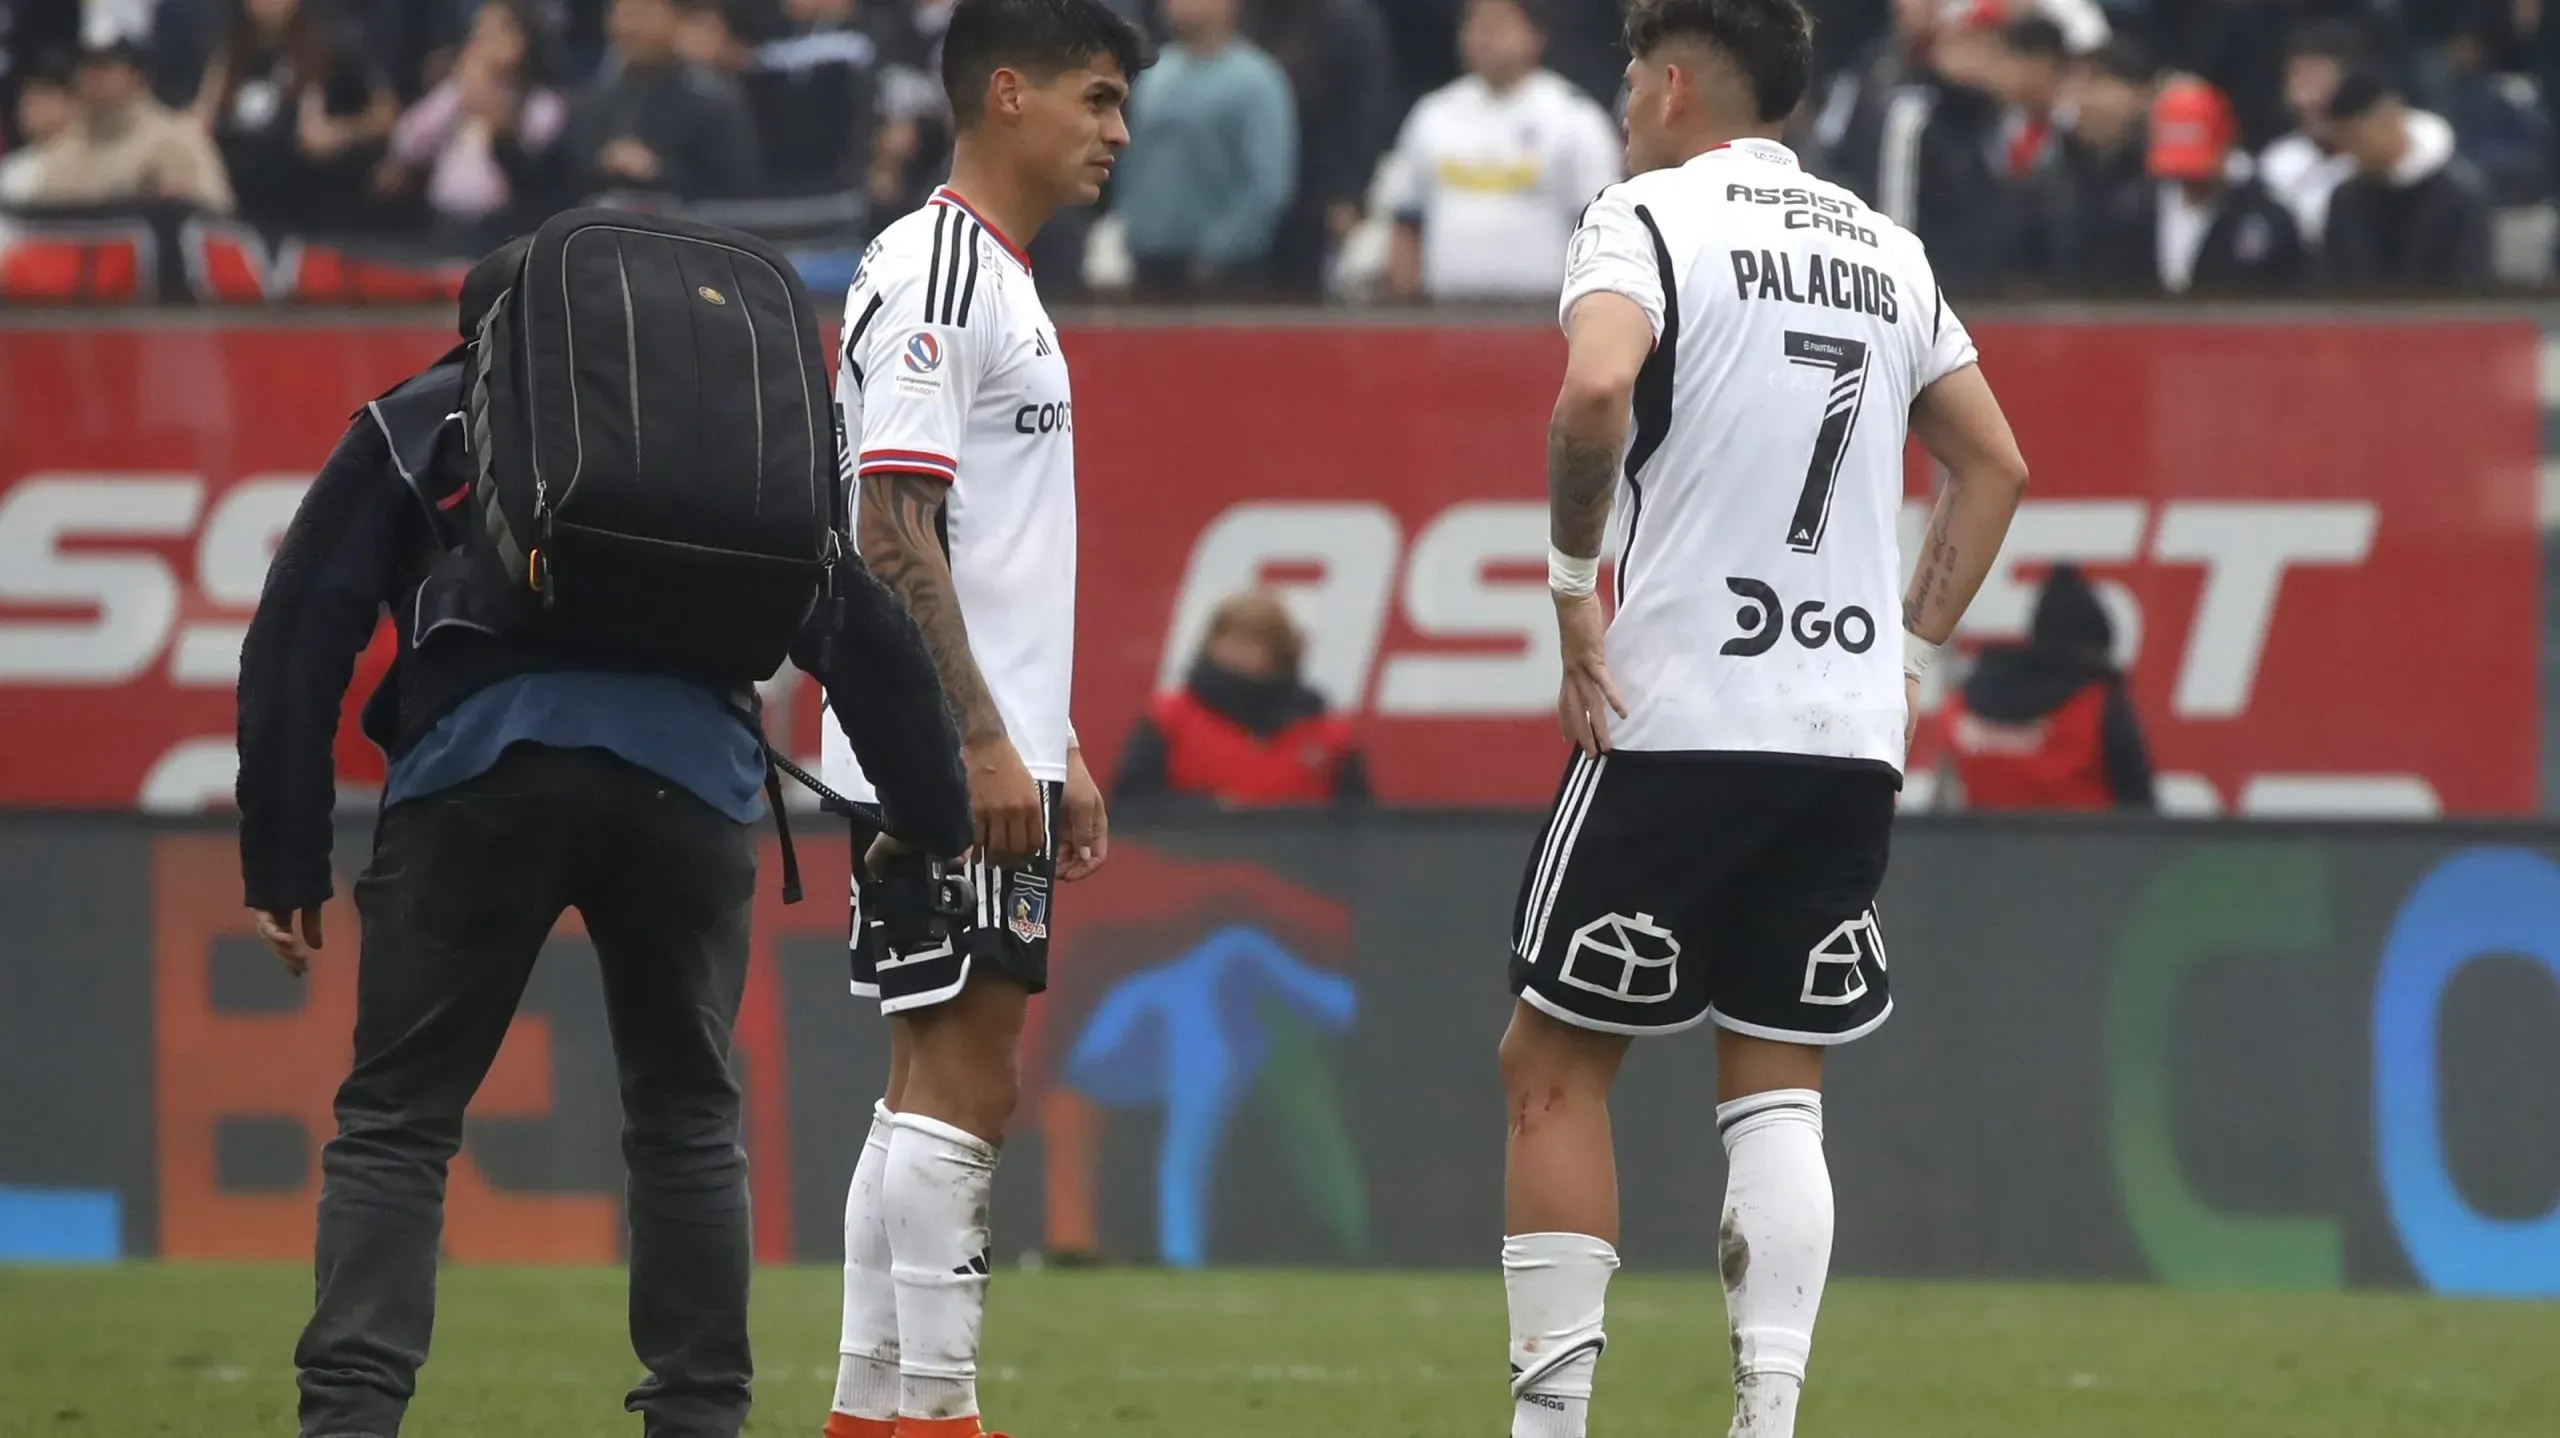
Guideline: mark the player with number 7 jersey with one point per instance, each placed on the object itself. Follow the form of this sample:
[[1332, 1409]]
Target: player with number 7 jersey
[[1749, 350], [1786, 332]]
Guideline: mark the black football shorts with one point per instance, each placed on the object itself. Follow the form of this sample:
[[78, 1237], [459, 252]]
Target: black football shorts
[[1003, 922], [1668, 889]]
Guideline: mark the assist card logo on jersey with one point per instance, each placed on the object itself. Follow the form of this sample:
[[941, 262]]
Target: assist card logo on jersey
[[1633, 960]]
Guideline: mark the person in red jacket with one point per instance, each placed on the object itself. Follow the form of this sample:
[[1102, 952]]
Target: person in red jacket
[[2046, 724], [1243, 731]]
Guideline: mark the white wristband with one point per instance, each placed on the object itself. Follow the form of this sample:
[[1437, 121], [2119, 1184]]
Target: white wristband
[[1570, 576], [1917, 654]]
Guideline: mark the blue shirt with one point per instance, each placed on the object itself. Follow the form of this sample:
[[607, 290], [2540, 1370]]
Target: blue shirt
[[1212, 158], [678, 731]]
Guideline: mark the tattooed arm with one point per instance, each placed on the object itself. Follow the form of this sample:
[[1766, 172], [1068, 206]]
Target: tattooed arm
[[898, 534], [1608, 336], [1959, 422]]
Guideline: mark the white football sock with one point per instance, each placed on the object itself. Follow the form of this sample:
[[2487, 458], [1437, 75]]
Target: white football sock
[[867, 1355], [1775, 1244], [1558, 1284], [940, 1179]]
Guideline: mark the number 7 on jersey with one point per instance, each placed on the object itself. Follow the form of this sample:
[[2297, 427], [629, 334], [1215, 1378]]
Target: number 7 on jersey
[[1847, 361]]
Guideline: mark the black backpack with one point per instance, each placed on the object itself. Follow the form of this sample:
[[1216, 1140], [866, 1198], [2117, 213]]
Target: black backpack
[[655, 447]]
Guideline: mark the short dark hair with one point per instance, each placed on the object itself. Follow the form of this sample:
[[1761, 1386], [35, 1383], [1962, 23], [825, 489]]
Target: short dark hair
[[1536, 12], [1042, 38], [2035, 37], [1769, 41], [2343, 41]]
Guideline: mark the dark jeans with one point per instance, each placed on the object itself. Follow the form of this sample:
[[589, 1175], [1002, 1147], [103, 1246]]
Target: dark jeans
[[463, 888]]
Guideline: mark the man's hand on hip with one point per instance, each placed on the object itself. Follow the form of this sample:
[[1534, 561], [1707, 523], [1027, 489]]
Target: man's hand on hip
[[1004, 803], [276, 928], [1588, 696]]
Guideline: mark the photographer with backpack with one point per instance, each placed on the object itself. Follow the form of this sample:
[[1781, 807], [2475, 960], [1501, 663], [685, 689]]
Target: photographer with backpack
[[598, 523]]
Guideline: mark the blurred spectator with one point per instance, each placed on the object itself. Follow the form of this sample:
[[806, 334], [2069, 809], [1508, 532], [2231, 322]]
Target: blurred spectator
[[412, 43], [1495, 169], [298, 113], [2093, 178], [36, 37], [707, 34], [2201, 230], [45, 108], [181, 40], [2304, 167], [123, 144], [1335, 53], [477, 134], [1243, 730], [1212, 159], [2415, 213], [2036, 65], [2242, 47], [2047, 724], [655, 121], [2007, 133], [2498, 124], [1938, 147], [818, 93], [913, 154], [1848, 119]]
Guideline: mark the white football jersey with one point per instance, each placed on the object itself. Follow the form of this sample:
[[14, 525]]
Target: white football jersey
[[951, 369], [1495, 180], [1759, 604]]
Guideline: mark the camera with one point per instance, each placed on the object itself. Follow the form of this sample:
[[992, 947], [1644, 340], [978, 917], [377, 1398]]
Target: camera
[[921, 900]]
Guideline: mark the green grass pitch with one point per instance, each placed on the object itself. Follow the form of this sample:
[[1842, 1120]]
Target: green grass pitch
[[206, 1352]]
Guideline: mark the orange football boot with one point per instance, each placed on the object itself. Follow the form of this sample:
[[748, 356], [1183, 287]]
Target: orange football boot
[[943, 1428]]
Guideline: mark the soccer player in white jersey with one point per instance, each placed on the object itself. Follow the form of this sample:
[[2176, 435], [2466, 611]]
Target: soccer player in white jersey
[[1748, 349], [959, 431]]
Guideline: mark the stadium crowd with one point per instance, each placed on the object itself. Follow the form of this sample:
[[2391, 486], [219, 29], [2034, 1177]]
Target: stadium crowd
[[1365, 149]]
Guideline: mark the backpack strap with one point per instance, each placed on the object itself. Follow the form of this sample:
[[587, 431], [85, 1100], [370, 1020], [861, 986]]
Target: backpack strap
[[418, 418], [749, 706], [513, 557]]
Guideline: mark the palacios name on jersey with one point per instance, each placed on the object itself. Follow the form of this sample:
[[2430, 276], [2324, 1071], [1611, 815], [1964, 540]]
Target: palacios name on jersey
[[1827, 280]]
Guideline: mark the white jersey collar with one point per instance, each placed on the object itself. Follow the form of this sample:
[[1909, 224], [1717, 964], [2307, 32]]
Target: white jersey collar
[[1757, 149]]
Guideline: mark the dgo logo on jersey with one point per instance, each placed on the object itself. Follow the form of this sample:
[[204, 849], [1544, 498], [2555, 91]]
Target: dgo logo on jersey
[[1763, 617], [1632, 960], [924, 354]]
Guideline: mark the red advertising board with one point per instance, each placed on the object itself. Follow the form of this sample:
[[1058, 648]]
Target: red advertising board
[[2319, 540]]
